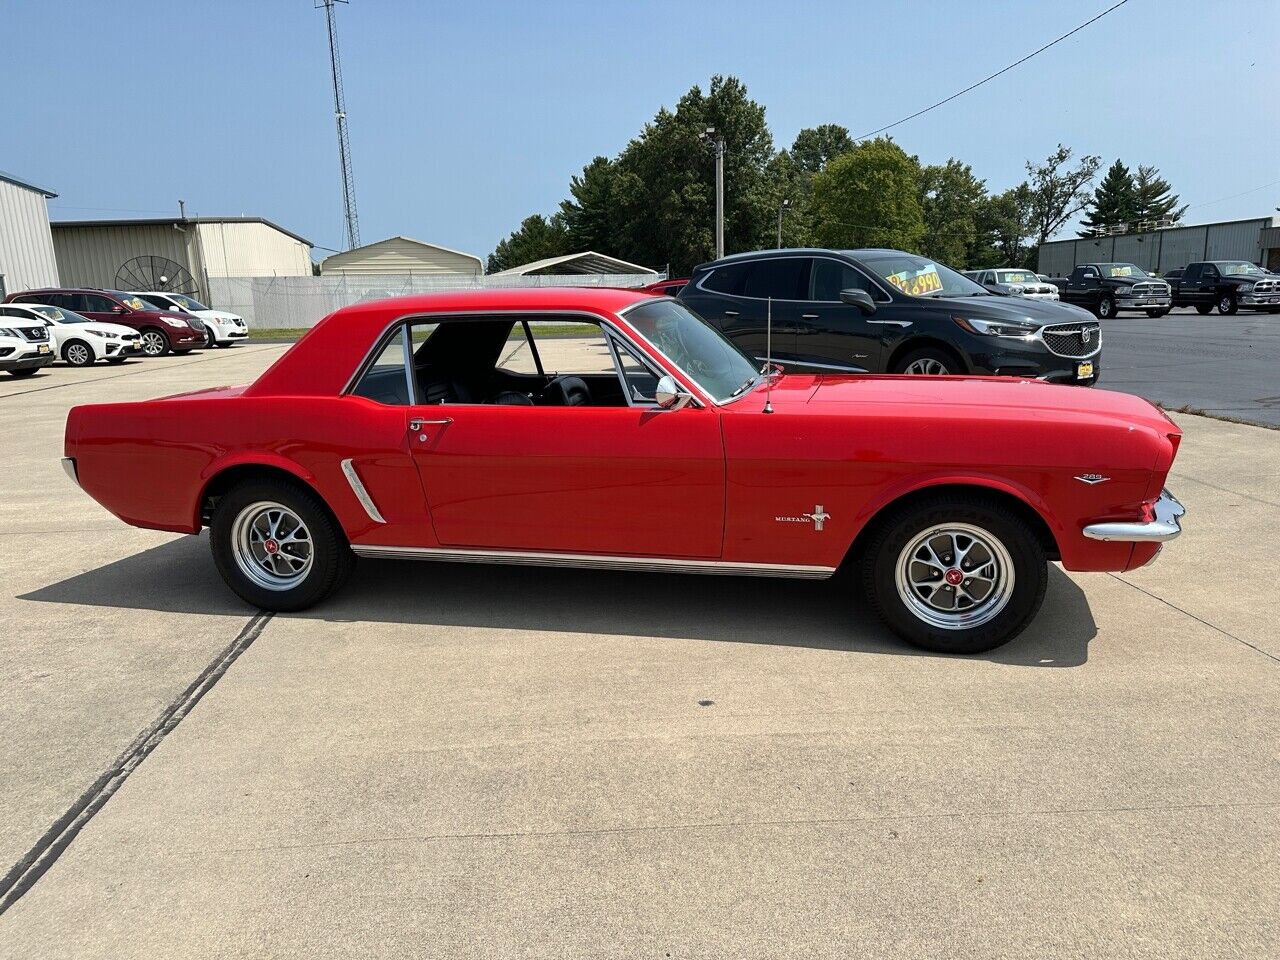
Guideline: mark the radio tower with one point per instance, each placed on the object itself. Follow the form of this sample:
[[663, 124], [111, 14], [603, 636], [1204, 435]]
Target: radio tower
[[340, 114]]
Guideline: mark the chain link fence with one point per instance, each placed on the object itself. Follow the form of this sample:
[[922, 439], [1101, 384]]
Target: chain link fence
[[278, 303]]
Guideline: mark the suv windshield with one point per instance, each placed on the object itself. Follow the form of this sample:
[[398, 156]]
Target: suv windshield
[[58, 315], [918, 277], [1016, 276], [698, 349], [1240, 268], [183, 300], [1121, 270]]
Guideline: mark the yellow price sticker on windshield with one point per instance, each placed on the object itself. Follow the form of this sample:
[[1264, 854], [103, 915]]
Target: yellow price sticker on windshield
[[917, 284]]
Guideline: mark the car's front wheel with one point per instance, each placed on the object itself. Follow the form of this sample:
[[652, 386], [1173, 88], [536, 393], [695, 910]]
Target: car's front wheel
[[277, 546], [1227, 305], [77, 353], [955, 574], [1106, 308], [154, 343], [927, 361]]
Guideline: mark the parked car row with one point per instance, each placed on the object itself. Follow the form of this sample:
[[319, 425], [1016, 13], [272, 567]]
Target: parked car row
[[81, 326], [1106, 289]]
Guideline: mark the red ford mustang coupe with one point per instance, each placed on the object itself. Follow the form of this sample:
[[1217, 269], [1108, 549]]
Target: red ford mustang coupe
[[615, 429]]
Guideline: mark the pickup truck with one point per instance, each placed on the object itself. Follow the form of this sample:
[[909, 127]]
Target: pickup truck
[[1107, 288], [1225, 284]]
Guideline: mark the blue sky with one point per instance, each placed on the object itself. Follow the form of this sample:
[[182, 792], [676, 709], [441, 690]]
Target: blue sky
[[466, 117]]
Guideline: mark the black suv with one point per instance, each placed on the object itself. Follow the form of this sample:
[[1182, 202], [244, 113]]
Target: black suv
[[885, 311]]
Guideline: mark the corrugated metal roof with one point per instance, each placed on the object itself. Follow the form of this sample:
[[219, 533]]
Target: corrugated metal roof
[[164, 221], [586, 262], [18, 181], [337, 257]]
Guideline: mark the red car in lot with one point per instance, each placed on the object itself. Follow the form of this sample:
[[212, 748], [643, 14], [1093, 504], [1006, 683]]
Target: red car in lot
[[608, 428], [162, 331]]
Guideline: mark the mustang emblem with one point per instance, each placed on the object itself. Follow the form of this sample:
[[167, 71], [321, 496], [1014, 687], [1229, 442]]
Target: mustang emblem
[[1092, 478], [817, 518]]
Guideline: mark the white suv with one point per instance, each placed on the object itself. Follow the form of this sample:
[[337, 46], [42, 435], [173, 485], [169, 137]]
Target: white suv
[[76, 339], [24, 346], [222, 329]]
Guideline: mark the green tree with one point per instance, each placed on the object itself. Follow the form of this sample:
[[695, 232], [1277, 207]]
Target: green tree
[[951, 199], [869, 197], [1003, 226], [1058, 192], [539, 237], [815, 147], [1114, 203], [590, 216], [1154, 198]]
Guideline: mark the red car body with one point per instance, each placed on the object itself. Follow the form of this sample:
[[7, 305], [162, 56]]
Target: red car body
[[716, 487]]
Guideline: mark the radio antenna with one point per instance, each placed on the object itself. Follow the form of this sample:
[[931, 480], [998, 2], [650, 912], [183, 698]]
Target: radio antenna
[[768, 357]]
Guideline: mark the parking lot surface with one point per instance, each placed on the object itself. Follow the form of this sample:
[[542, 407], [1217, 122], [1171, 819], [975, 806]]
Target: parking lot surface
[[457, 761], [1223, 366]]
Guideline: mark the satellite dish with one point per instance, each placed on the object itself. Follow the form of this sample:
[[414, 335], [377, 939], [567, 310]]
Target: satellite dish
[[155, 273]]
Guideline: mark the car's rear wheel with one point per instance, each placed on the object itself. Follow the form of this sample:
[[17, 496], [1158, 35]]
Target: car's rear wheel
[[1106, 308], [1204, 309], [154, 342], [1227, 305], [277, 546], [77, 353], [955, 574], [927, 361]]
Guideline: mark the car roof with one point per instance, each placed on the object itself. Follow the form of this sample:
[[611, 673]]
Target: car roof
[[797, 251], [322, 362]]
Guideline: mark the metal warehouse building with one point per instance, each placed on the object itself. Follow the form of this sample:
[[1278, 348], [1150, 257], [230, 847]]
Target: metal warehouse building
[[121, 253], [402, 256], [26, 243], [1257, 241]]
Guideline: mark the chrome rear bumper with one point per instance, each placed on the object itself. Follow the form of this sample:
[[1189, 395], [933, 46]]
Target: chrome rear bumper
[[1163, 528]]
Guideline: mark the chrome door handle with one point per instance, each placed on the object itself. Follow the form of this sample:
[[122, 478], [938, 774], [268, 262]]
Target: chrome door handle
[[417, 424], [731, 313], [808, 316]]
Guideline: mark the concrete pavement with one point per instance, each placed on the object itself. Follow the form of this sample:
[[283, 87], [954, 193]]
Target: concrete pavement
[[457, 761]]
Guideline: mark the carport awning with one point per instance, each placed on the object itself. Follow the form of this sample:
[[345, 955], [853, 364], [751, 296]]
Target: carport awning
[[587, 262]]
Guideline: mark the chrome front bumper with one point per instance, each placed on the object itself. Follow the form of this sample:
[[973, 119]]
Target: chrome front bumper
[[1163, 528]]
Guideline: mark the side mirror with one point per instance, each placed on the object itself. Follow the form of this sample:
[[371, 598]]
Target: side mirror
[[860, 299], [118, 309], [669, 396]]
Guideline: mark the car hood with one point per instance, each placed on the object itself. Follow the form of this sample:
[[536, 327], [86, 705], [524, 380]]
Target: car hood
[[1014, 309], [999, 396], [116, 328], [216, 315]]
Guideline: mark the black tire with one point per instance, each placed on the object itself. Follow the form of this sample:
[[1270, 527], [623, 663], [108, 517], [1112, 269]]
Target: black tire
[[1227, 304], [880, 561], [23, 374], [1106, 308], [1154, 314], [1204, 309], [210, 341], [929, 357], [331, 558], [154, 342], [77, 353]]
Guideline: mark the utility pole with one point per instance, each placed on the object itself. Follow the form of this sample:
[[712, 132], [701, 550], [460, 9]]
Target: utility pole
[[717, 143], [781, 207], [340, 115]]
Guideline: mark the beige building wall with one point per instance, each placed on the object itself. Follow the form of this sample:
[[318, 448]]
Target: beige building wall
[[27, 259]]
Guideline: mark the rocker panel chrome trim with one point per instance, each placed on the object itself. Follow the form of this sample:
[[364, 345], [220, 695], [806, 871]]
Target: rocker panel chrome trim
[[357, 487], [595, 561]]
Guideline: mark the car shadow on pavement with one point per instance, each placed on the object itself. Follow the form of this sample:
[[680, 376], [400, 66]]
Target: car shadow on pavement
[[821, 615]]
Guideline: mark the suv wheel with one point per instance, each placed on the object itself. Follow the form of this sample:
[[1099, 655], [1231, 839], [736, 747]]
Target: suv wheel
[[77, 353], [154, 342], [928, 361], [1227, 304], [1106, 308], [277, 547], [955, 574]]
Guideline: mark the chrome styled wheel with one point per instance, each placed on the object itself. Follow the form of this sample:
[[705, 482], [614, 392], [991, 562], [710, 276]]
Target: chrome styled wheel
[[955, 576], [271, 545], [77, 354], [926, 366], [154, 343]]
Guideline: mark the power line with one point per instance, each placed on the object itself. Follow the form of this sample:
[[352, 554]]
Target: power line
[[975, 86], [1209, 203]]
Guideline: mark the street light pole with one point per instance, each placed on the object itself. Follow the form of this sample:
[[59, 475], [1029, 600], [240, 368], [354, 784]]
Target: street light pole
[[781, 207], [718, 144]]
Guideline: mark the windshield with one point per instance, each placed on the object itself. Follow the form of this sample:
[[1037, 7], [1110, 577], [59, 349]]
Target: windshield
[[918, 277], [135, 302], [699, 350], [1241, 268], [183, 300], [58, 315], [1121, 270], [1016, 276]]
